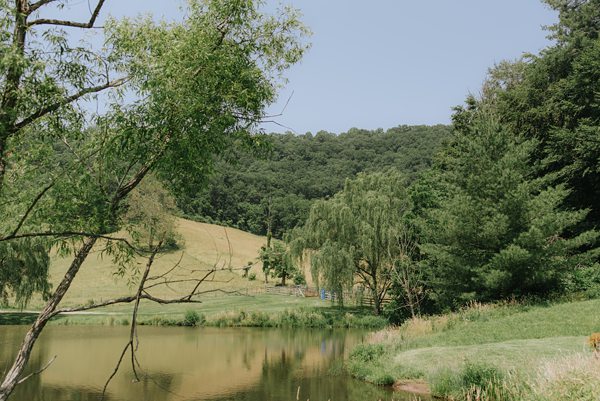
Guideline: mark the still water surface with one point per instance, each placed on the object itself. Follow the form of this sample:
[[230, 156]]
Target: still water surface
[[183, 364]]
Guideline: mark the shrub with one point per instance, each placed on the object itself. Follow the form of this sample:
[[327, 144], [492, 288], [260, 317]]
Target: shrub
[[252, 276], [367, 352], [258, 319], [444, 382], [313, 319], [474, 381], [383, 379], [299, 279], [479, 375], [172, 242], [288, 319], [228, 319], [368, 322], [193, 318], [594, 341]]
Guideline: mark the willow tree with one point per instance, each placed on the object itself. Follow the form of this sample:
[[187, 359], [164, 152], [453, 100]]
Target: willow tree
[[180, 93], [352, 238]]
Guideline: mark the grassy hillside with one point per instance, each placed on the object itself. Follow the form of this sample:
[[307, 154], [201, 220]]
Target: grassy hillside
[[243, 302], [203, 246], [503, 351]]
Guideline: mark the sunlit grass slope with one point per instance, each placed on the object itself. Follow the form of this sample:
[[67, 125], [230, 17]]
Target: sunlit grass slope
[[204, 246]]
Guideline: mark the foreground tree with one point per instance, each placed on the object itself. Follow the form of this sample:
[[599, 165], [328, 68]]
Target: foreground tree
[[193, 89], [354, 237]]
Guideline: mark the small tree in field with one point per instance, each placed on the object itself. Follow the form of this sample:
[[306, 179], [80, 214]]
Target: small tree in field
[[279, 261]]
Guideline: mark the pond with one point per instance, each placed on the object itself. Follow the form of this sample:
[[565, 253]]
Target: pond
[[214, 364]]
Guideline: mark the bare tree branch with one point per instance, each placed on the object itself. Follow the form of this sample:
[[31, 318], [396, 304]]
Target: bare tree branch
[[85, 25], [37, 372], [29, 209], [132, 332], [175, 266], [116, 369], [70, 234], [38, 4], [198, 285], [69, 99]]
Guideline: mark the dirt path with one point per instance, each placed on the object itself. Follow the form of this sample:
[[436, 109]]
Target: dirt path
[[412, 386]]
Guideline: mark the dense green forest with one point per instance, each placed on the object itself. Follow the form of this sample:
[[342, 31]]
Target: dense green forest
[[247, 190], [509, 207]]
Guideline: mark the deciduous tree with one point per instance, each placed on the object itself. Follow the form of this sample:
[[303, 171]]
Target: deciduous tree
[[353, 237], [187, 91]]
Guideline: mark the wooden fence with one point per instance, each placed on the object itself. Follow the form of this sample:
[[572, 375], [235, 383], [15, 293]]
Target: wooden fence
[[358, 297]]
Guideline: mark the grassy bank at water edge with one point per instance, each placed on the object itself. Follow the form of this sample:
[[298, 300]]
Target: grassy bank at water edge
[[497, 352], [264, 310]]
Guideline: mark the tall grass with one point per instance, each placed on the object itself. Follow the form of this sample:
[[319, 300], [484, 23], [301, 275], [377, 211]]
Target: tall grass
[[302, 317], [569, 378]]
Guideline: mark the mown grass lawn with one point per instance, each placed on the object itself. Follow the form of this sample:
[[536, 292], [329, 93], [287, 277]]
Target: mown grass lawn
[[517, 345]]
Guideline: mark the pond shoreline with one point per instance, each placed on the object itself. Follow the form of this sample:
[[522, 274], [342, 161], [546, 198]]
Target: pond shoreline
[[516, 351], [297, 318]]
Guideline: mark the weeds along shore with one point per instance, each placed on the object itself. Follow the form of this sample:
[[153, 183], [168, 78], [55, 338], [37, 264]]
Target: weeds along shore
[[297, 318]]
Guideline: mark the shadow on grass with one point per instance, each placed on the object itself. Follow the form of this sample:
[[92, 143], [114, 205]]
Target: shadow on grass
[[337, 312], [17, 318]]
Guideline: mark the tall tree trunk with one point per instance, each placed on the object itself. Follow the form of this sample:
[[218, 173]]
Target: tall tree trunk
[[8, 111], [408, 291], [374, 293], [11, 379]]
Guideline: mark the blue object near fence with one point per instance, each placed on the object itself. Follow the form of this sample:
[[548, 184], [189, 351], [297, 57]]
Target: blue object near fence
[[323, 294]]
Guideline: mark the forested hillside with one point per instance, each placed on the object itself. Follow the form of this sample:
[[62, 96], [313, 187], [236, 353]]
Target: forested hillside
[[246, 190]]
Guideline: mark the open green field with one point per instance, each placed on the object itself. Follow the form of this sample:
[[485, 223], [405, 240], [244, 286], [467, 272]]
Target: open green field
[[505, 351], [211, 307]]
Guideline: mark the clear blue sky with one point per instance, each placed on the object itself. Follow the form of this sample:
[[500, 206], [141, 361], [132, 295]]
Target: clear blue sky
[[383, 63]]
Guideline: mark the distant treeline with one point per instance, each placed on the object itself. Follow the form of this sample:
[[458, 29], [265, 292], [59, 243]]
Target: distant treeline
[[247, 190]]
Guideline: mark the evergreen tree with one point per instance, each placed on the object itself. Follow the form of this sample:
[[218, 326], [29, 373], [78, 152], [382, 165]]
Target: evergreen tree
[[499, 230], [553, 98]]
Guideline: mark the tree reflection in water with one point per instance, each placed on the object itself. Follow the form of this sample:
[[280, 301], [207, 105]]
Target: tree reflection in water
[[193, 365]]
